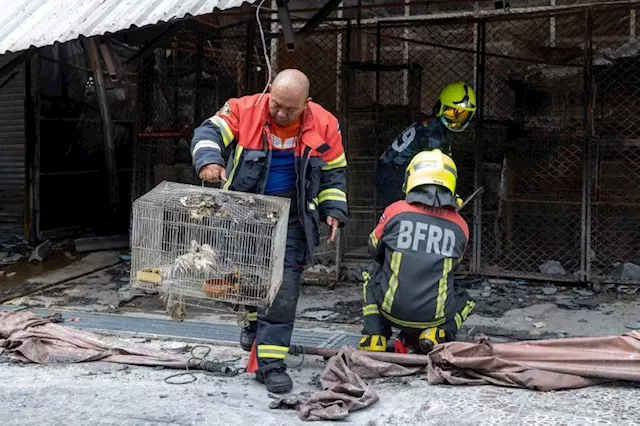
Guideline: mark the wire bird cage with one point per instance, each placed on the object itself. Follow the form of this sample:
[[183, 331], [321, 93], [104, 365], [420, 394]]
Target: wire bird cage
[[209, 244]]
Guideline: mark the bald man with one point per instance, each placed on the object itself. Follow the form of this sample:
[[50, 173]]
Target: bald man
[[284, 145]]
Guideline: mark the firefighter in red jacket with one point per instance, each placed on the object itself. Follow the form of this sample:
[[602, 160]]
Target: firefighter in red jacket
[[283, 145], [417, 246]]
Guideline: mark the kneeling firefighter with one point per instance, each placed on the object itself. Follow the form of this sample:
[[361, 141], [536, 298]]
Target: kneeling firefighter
[[417, 246]]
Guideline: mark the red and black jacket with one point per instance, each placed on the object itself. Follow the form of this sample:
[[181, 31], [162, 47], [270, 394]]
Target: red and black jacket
[[242, 125]]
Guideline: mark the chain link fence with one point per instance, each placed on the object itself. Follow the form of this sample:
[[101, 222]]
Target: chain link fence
[[534, 89], [321, 56], [555, 142], [614, 166], [183, 83]]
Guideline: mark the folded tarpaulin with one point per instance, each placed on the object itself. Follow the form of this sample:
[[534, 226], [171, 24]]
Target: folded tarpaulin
[[540, 365], [27, 337]]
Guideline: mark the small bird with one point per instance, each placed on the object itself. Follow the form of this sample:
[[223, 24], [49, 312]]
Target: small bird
[[200, 259]]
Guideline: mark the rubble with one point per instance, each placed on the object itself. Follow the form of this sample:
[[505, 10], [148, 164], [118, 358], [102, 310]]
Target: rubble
[[626, 271], [549, 291], [321, 269], [320, 315], [552, 267], [41, 252], [101, 243], [127, 293], [498, 281], [11, 259]]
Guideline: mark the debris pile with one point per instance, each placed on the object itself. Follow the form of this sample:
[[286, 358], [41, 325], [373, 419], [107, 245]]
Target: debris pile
[[236, 207]]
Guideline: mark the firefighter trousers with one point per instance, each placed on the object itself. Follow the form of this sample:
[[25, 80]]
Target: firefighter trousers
[[274, 327], [378, 322]]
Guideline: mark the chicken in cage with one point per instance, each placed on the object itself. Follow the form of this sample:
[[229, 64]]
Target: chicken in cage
[[198, 243]]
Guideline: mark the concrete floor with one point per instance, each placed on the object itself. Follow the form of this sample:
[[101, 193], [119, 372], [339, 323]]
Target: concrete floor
[[105, 394], [112, 394]]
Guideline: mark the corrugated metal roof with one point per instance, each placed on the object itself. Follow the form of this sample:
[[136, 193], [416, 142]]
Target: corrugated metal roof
[[37, 23]]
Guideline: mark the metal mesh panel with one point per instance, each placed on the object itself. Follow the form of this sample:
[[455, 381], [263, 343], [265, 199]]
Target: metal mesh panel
[[209, 244], [184, 83], [534, 106], [615, 158], [320, 56], [416, 61], [556, 157]]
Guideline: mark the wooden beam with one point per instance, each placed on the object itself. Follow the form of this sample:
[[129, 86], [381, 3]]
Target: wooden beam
[[107, 126], [148, 49], [109, 61], [317, 19], [15, 62]]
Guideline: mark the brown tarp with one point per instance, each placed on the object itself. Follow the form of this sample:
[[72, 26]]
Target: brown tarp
[[539, 365], [344, 386], [27, 337]]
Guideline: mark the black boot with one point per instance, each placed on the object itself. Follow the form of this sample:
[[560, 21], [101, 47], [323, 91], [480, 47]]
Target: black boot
[[247, 337], [275, 377]]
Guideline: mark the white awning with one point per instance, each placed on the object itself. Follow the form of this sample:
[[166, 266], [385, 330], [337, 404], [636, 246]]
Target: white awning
[[37, 23]]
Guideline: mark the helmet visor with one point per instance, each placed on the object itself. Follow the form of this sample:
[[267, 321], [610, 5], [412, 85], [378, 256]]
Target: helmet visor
[[456, 118]]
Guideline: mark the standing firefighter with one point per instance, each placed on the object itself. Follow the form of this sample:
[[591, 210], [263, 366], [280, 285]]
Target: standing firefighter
[[417, 246], [283, 145], [453, 112]]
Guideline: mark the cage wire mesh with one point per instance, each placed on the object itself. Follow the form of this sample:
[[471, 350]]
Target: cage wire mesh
[[534, 93], [326, 88], [185, 82], [206, 243], [614, 251]]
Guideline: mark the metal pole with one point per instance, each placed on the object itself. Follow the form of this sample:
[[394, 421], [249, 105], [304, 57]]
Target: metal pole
[[346, 52], [376, 107], [395, 358], [248, 56], [585, 234], [477, 170], [199, 55], [339, 62]]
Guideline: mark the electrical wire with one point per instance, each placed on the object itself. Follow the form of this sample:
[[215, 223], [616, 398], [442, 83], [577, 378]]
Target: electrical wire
[[221, 367], [264, 49]]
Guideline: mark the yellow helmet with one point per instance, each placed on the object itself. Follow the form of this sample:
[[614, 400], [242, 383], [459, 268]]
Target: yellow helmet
[[431, 168], [456, 106]]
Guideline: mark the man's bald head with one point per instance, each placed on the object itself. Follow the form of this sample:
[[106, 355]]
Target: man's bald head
[[289, 96], [291, 80]]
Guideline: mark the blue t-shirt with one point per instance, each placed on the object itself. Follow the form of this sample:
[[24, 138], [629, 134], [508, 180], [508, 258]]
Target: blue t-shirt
[[282, 173]]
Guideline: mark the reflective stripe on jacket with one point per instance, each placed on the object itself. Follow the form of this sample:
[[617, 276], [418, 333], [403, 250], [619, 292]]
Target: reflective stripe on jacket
[[418, 248]]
